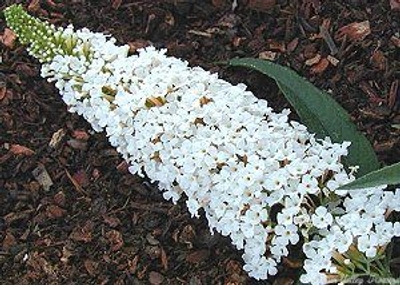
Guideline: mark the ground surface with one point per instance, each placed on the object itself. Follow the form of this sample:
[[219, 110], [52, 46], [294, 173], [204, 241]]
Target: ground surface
[[99, 225]]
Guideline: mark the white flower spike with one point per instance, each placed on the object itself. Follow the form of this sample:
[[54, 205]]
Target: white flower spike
[[261, 179]]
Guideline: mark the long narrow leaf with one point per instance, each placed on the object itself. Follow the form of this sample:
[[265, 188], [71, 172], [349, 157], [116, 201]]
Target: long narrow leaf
[[318, 111], [389, 175]]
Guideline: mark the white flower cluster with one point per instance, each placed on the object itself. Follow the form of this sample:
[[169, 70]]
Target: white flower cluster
[[261, 179], [360, 220]]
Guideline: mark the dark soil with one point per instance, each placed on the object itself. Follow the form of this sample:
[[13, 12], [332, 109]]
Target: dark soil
[[96, 223]]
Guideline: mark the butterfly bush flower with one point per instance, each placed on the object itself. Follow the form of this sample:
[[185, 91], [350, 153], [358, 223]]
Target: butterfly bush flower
[[262, 180]]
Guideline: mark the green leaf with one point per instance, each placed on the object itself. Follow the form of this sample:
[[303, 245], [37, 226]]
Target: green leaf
[[387, 175], [318, 111]]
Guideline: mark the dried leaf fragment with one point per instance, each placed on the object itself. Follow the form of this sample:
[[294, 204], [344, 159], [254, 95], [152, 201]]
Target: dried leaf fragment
[[356, 31]]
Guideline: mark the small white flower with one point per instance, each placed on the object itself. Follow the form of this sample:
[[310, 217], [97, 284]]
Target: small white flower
[[368, 243], [321, 218], [288, 232]]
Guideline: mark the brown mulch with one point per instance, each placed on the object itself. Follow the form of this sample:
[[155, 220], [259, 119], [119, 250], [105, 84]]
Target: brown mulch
[[71, 214]]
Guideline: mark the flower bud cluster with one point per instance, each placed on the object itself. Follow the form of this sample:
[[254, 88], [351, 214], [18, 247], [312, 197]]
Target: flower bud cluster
[[261, 179], [43, 39]]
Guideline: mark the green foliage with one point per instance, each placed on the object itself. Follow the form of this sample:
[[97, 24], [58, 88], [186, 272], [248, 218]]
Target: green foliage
[[389, 175], [318, 111]]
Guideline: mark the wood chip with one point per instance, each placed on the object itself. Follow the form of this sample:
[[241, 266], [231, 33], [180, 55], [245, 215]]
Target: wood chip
[[320, 67], [156, 278], [291, 46], [395, 4], [277, 46], [81, 178], [3, 91], [198, 256], [82, 234], [60, 199], [394, 90], [378, 60], [57, 137], [116, 3], [261, 5], [54, 212], [356, 31], [8, 38], [218, 3], [164, 259], [333, 60], [77, 186], [112, 221], [395, 40], [91, 266], [123, 167], [324, 32], [34, 6], [77, 144], [114, 237], [20, 150], [9, 241], [42, 176], [371, 93], [267, 55], [314, 60], [80, 135]]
